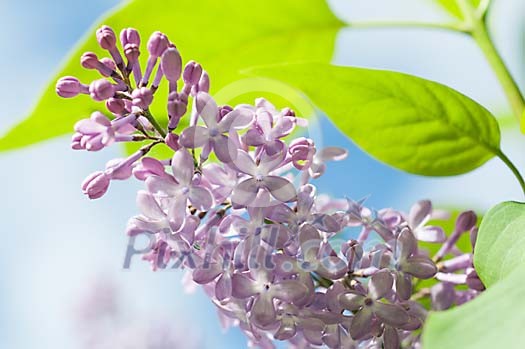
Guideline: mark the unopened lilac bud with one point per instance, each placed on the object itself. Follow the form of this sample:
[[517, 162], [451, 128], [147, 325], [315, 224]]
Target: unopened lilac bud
[[116, 170], [171, 63], [89, 60], [108, 62], [203, 85], [177, 106], [223, 110], [101, 90], [288, 112], [69, 87], [149, 167], [75, 141], [157, 44], [474, 282], [129, 36], [172, 141], [466, 221], [106, 37], [442, 296], [473, 237], [96, 185], [142, 97], [132, 52], [116, 106], [192, 73]]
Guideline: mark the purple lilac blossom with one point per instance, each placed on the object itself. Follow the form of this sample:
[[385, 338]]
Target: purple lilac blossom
[[275, 257]]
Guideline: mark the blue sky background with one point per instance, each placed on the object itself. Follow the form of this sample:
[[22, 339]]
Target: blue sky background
[[56, 242]]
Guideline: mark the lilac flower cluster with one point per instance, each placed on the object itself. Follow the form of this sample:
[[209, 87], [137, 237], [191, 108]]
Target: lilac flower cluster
[[273, 256]]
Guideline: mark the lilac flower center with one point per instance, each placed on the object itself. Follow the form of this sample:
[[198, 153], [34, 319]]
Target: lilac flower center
[[185, 190], [214, 132]]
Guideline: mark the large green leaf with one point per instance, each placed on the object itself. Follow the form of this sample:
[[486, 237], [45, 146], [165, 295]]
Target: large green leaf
[[501, 242], [495, 319], [452, 7], [225, 36], [410, 123]]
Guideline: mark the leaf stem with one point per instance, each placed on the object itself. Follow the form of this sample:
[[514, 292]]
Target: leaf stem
[[513, 168], [477, 23], [458, 27]]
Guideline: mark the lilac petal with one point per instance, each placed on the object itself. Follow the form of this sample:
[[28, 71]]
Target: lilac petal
[[391, 338], [310, 241], [280, 213], [245, 163], [274, 147], [289, 290], [223, 288], [243, 287], [332, 267], [403, 285], [194, 137], [201, 198], [177, 213], [361, 323], [270, 163], [148, 206], [326, 223], [245, 192], [351, 301], [207, 108], [237, 119], [286, 330], [419, 266], [312, 330], [380, 284], [406, 244], [254, 138], [430, 234], [283, 127], [87, 126], [225, 149], [420, 213], [280, 188], [161, 186], [263, 311], [206, 273], [140, 225], [182, 166], [264, 121], [391, 314], [333, 154]]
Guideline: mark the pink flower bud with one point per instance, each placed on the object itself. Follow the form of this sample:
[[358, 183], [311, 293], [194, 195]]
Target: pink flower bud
[[142, 97], [177, 106], [192, 73], [96, 185], [101, 90], [106, 38], [116, 106], [157, 44], [68, 87], [466, 221], [203, 85], [149, 167], [129, 36], [108, 62], [89, 60], [171, 63], [223, 110], [172, 141], [132, 52]]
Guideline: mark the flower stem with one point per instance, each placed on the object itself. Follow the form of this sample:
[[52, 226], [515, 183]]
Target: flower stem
[[154, 122], [513, 168], [477, 24]]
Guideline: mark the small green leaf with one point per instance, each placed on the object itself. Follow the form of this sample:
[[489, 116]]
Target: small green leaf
[[500, 244], [452, 7], [225, 36], [495, 319], [413, 124]]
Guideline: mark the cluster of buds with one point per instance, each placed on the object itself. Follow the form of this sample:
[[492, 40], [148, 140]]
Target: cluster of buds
[[276, 259]]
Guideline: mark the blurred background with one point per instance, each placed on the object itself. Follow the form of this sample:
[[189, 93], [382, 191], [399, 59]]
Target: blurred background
[[61, 258]]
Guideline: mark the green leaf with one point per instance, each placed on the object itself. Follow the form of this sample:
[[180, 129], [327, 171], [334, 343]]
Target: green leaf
[[495, 319], [452, 7], [500, 244], [413, 124], [225, 36]]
